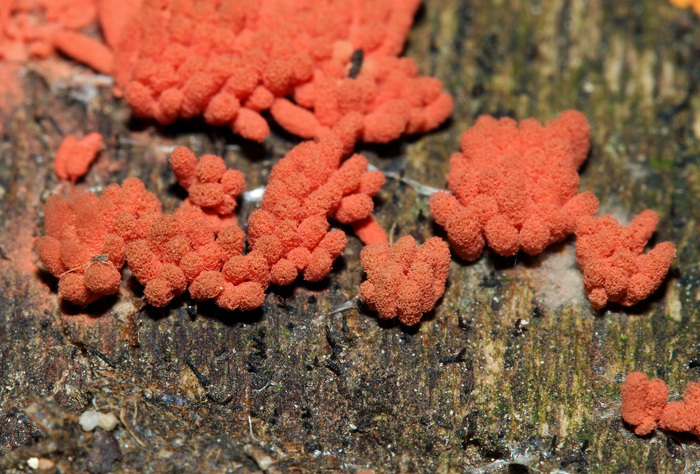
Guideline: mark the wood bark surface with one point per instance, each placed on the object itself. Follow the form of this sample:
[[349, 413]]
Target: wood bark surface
[[512, 372]]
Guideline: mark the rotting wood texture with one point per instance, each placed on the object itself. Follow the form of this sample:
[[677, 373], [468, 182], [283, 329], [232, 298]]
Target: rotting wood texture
[[513, 370]]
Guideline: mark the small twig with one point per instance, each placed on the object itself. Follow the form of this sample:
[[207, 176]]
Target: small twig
[[267, 384], [358, 57], [52, 121], [250, 427], [350, 304], [218, 400], [391, 233], [335, 348], [202, 379], [335, 368], [418, 187], [51, 315], [122, 417], [454, 359], [103, 357], [463, 324], [205, 384]]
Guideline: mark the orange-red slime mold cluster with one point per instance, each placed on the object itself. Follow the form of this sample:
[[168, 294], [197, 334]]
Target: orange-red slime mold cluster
[[643, 401], [200, 247], [209, 184], [515, 187], [183, 250], [30, 28], [309, 63], [329, 71], [404, 281], [74, 156], [610, 255], [231, 60], [86, 237], [683, 416], [645, 406], [305, 188]]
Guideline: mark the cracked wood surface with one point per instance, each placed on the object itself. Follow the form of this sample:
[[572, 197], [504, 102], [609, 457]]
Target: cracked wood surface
[[511, 371]]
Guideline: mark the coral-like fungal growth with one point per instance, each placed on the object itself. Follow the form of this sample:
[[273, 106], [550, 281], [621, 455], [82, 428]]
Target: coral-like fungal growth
[[86, 237], [309, 63], [514, 187], [644, 406], [643, 402], [183, 250], [74, 156], [200, 247], [306, 187], [209, 184], [683, 416], [404, 281], [229, 61], [31, 29], [614, 267]]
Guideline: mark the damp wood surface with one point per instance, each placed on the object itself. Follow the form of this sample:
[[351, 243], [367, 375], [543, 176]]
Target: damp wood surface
[[512, 372]]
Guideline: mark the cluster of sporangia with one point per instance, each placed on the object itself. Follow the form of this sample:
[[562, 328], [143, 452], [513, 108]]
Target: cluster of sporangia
[[515, 188], [645, 406], [327, 71], [229, 60]]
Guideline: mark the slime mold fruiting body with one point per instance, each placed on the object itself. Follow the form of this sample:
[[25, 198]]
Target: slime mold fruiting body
[[404, 281], [694, 4], [74, 156], [229, 61], [614, 267], [515, 187], [645, 406], [81, 228], [200, 247], [307, 187], [643, 401], [30, 29]]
